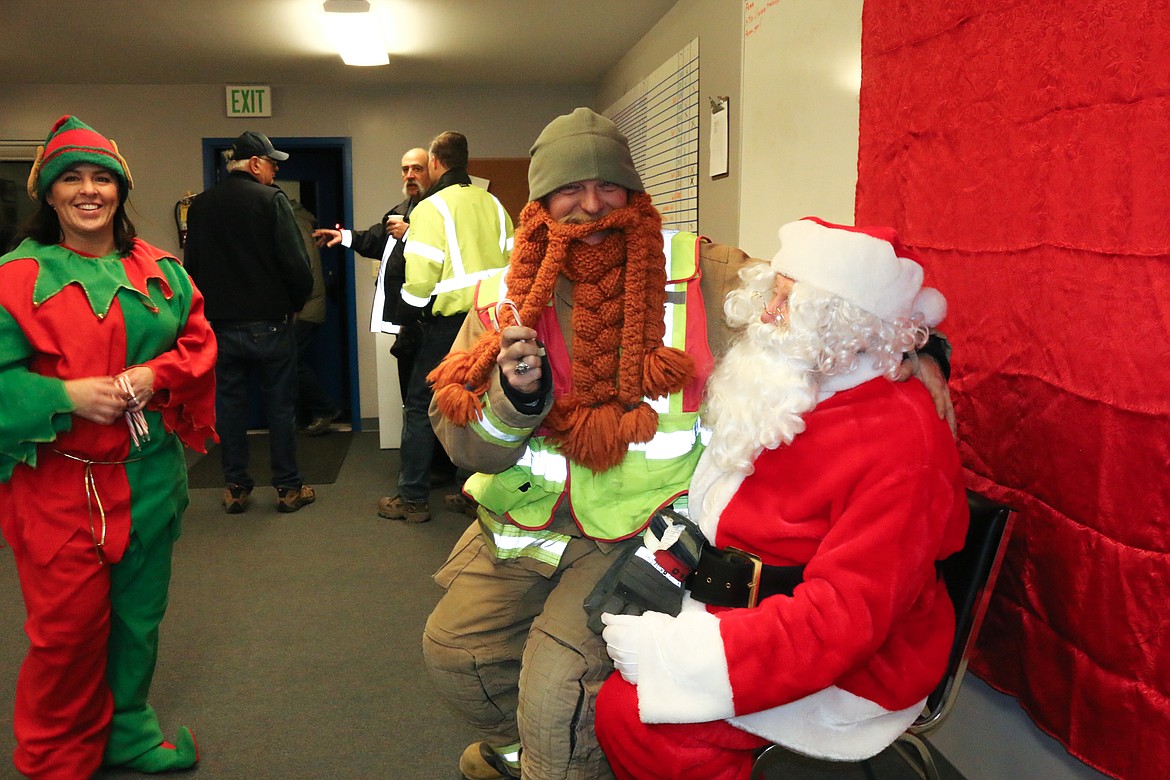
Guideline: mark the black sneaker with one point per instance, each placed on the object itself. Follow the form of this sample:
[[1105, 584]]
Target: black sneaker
[[321, 425]]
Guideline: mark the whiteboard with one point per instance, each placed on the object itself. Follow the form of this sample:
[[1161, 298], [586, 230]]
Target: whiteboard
[[798, 146], [660, 118]]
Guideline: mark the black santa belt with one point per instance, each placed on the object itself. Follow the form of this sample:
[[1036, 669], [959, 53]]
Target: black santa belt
[[730, 577]]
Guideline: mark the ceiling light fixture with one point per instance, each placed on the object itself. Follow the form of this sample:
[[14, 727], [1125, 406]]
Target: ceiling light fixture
[[356, 32]]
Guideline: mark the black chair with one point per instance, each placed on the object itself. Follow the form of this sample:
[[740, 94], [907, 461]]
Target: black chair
[[970, 576]]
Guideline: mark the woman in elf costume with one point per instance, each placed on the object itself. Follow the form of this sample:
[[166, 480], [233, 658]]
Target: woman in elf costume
[[106, 370]]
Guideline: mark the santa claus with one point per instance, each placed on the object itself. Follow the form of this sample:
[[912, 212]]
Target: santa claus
[[838, 489]]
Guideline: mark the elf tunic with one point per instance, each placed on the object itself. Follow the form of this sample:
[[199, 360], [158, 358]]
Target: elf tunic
[[91, 518], [868, 497]]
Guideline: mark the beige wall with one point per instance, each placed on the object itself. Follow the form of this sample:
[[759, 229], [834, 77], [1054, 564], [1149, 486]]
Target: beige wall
[[159, 130], [717, 24]]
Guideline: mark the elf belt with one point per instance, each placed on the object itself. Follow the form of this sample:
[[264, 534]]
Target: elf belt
[[733, 578]]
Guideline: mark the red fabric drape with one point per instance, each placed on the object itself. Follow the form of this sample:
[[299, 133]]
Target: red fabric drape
[[1024, 149]]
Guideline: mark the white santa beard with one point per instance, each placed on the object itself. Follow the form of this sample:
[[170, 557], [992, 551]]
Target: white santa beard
[[755, 400]]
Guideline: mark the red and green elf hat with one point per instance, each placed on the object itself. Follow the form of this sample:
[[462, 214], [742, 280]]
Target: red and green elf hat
[[70, 142]]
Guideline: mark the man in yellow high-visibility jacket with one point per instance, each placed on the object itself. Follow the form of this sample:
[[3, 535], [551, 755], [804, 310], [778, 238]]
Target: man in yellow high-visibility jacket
[[459, 234]]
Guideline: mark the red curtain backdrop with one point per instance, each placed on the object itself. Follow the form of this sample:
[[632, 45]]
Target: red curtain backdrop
[[1024, 149]]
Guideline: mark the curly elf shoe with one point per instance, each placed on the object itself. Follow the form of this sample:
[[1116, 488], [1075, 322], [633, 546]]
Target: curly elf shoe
[[167, 757]]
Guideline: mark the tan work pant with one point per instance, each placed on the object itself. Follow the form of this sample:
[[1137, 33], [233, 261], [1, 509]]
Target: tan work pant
[[509, 650]]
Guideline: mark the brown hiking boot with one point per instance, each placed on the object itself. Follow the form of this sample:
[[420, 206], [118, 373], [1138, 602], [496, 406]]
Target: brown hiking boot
[[235, 498], [480, 762], [292, 499], [461, 503], [398, 508]]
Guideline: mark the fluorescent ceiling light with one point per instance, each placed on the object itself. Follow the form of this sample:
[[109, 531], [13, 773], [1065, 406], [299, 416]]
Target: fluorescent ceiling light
[[356, 32]]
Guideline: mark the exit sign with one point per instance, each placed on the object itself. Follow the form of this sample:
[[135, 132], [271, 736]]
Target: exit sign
[[249, 101]]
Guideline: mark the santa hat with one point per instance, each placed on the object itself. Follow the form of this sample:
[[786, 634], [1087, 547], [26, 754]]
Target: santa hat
[[866, 266], [69, 143]]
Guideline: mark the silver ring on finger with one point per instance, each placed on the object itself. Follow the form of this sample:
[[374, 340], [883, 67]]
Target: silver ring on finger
[[522, 368]]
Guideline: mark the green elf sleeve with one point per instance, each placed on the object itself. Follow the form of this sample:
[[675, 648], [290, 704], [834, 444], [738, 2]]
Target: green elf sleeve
[[35, 409]]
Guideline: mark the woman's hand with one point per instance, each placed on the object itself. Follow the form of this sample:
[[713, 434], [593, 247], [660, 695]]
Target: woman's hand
[[96, 398], [140, 380], [521, 358]]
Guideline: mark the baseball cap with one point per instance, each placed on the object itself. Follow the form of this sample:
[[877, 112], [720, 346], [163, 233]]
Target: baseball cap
[[253, 144]]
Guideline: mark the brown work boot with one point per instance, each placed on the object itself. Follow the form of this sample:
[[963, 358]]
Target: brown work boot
[[480, 762], [235, 498], [398, 508], [292, 499], [459, 502]]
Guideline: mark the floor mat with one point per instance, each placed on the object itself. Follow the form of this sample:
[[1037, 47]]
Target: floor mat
[[319, 457]]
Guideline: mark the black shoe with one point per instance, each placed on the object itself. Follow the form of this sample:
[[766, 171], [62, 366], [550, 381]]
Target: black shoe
[[320, 425]]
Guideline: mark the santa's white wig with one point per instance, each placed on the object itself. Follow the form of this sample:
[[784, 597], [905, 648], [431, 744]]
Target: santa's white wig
[[774, 372]]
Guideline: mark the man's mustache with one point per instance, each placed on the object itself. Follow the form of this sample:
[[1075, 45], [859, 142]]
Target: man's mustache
[[578, 218]]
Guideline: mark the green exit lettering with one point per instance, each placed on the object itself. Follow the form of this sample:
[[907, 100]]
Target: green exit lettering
[[249, 101]]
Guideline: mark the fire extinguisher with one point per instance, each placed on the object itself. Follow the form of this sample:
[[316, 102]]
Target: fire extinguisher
[[181, 207]]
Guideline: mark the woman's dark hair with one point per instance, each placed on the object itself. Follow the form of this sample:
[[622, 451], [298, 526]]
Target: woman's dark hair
[[44, 227]]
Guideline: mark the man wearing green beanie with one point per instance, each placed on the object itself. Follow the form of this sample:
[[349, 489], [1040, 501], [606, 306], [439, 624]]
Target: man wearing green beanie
[[544, 389]]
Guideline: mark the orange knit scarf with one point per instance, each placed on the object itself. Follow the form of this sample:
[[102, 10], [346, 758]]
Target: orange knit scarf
[[618, 356]]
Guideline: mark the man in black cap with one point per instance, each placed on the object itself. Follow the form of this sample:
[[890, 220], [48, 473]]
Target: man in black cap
[[246, 254]]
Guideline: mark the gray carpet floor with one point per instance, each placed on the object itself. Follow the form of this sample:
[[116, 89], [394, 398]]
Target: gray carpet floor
[[292, 642]]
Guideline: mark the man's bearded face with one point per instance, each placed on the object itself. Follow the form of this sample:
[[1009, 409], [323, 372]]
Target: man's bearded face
[[760, 389], [415, 177], [586, 201]]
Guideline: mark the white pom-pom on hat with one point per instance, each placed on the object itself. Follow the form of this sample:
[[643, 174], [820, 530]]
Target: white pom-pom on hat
[[931, 304]]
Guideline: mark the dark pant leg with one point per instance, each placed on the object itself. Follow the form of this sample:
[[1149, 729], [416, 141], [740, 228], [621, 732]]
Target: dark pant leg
[[418, 438], [312, 400], [276, 352], [405, 351], [231, 403]]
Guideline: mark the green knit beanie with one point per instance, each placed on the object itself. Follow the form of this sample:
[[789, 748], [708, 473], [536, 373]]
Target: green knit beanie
[[580, 146], [70, 142]]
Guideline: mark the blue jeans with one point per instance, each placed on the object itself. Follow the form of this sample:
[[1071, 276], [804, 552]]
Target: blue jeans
[[418, 438], [268, 350]]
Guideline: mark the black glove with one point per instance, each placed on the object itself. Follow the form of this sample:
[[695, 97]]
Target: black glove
[[641, 580]]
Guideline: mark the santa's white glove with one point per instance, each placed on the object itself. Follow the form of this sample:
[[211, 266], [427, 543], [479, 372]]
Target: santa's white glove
[[622, 635]]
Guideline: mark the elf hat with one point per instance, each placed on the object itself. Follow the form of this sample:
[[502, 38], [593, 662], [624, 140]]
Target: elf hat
[[866, 266], [69, 143], [580, 146]]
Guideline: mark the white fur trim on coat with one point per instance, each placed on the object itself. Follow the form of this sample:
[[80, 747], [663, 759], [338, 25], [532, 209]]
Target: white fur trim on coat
[[682, 672], [831, 723]]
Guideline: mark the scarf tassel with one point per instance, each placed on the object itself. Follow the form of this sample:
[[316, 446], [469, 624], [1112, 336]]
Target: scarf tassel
[[593, 439], [666, 370], [459, 403]]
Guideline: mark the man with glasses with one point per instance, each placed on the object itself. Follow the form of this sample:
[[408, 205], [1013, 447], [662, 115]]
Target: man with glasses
[[247, 256]]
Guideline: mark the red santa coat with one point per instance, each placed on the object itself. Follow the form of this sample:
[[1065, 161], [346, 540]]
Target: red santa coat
[[868, 497]]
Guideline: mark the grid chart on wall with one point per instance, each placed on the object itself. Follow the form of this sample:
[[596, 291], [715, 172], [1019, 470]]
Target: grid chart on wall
[[660, 117]]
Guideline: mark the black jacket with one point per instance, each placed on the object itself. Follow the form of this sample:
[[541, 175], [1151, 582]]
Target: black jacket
[[245, 253], [372, 243]]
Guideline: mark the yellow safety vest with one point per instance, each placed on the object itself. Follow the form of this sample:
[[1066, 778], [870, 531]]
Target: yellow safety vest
[[458, 237], [617, 503]]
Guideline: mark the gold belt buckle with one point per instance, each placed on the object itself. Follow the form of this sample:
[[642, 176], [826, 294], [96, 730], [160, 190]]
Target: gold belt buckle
[[757, 568]]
